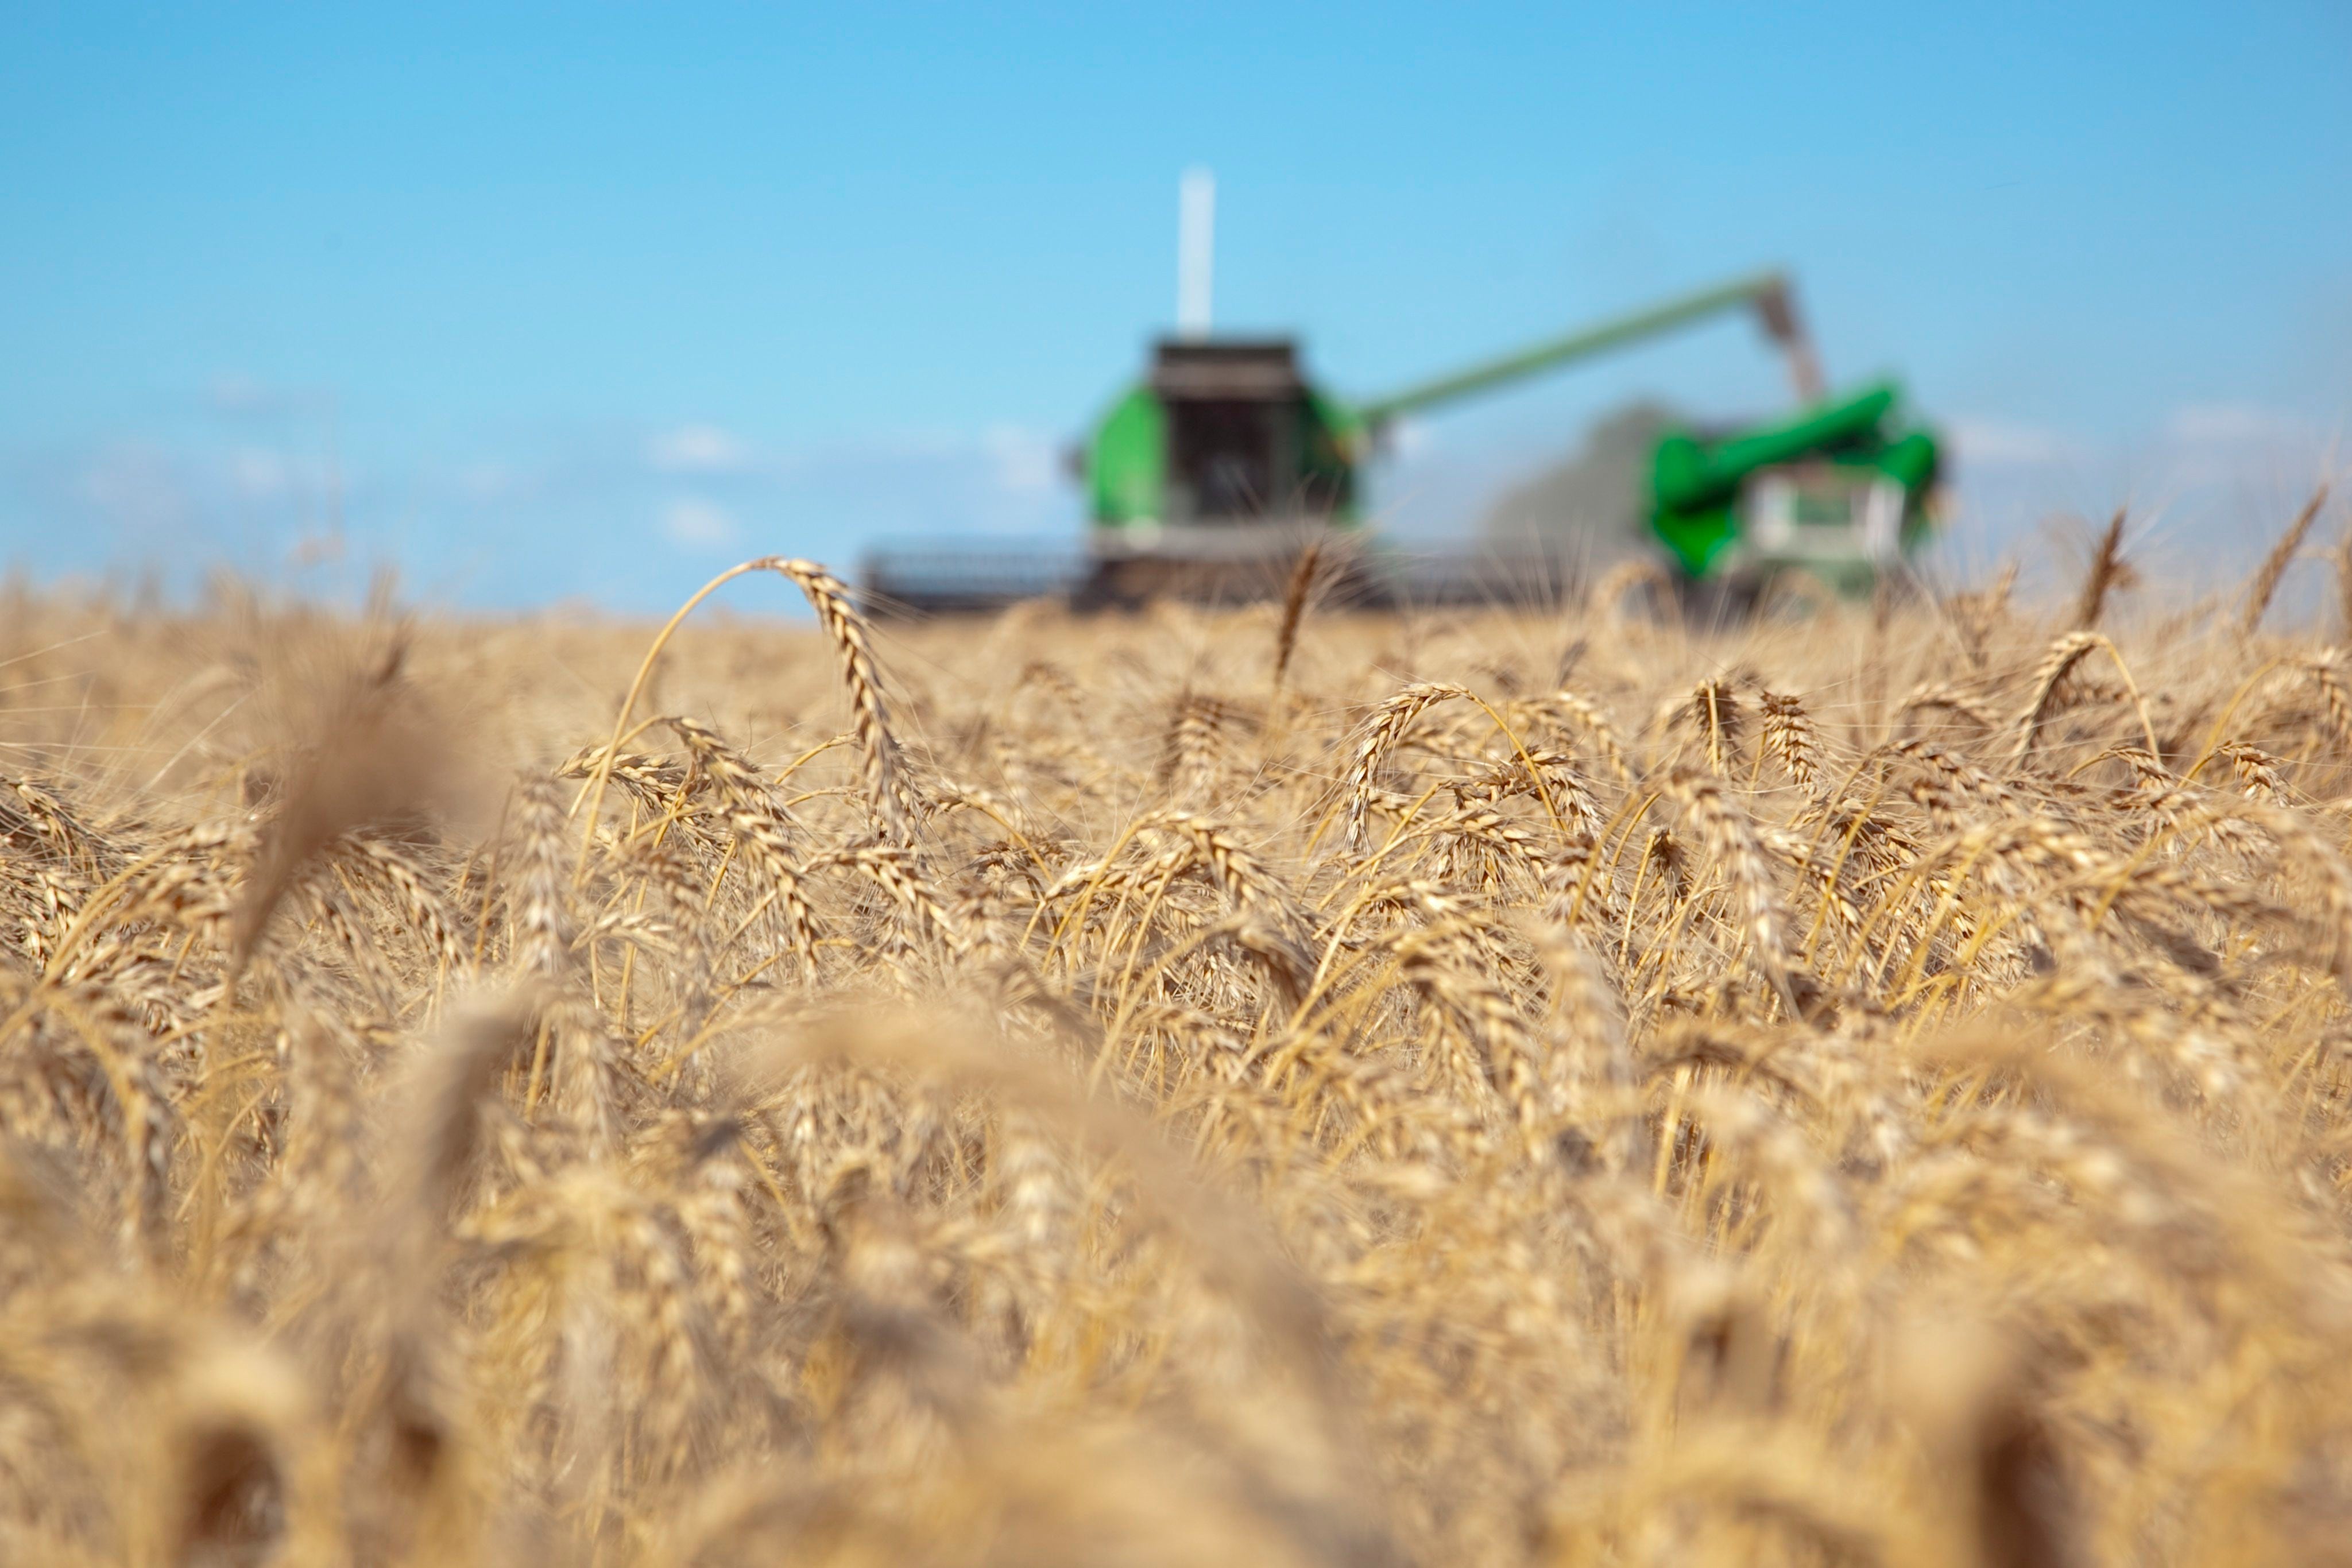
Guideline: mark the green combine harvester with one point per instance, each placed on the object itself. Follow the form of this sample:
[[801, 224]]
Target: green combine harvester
[[1205, 479]]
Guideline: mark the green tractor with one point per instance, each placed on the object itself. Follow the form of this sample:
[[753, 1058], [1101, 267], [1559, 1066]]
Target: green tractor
[[1843, 490]]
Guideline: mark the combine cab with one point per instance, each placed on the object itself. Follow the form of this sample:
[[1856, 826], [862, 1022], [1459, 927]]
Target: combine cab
[[1207, 478]]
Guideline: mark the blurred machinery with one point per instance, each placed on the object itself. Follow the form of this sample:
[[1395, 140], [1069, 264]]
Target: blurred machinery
[[1206, 478]]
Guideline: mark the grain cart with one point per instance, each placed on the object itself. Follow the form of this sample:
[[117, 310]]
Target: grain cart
[[1842, 490]]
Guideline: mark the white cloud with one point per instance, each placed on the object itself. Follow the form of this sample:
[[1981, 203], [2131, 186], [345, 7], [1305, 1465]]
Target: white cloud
[[1012, 460], [1025, 462], [2008, 442], [2236, 424], [492, 481], [698, 449], [243, 396], [258, 474], [138, 488], [695, 521], [236, 394], [2245, 443]]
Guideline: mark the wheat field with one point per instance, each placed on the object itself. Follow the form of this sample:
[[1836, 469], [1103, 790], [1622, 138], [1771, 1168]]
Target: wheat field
[[1270, 1085]]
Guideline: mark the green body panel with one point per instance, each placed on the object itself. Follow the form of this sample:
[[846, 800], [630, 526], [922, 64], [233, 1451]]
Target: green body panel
[[1697, 485], [1335, 441], [1912, 462], [1687, 472], [1127, 462], [1697, 536]]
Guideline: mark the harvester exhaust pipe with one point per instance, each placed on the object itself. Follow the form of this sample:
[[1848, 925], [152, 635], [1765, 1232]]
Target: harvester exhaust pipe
[[1196, 251]]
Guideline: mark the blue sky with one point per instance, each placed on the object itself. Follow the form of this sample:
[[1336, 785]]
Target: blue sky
[[550, 303]]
